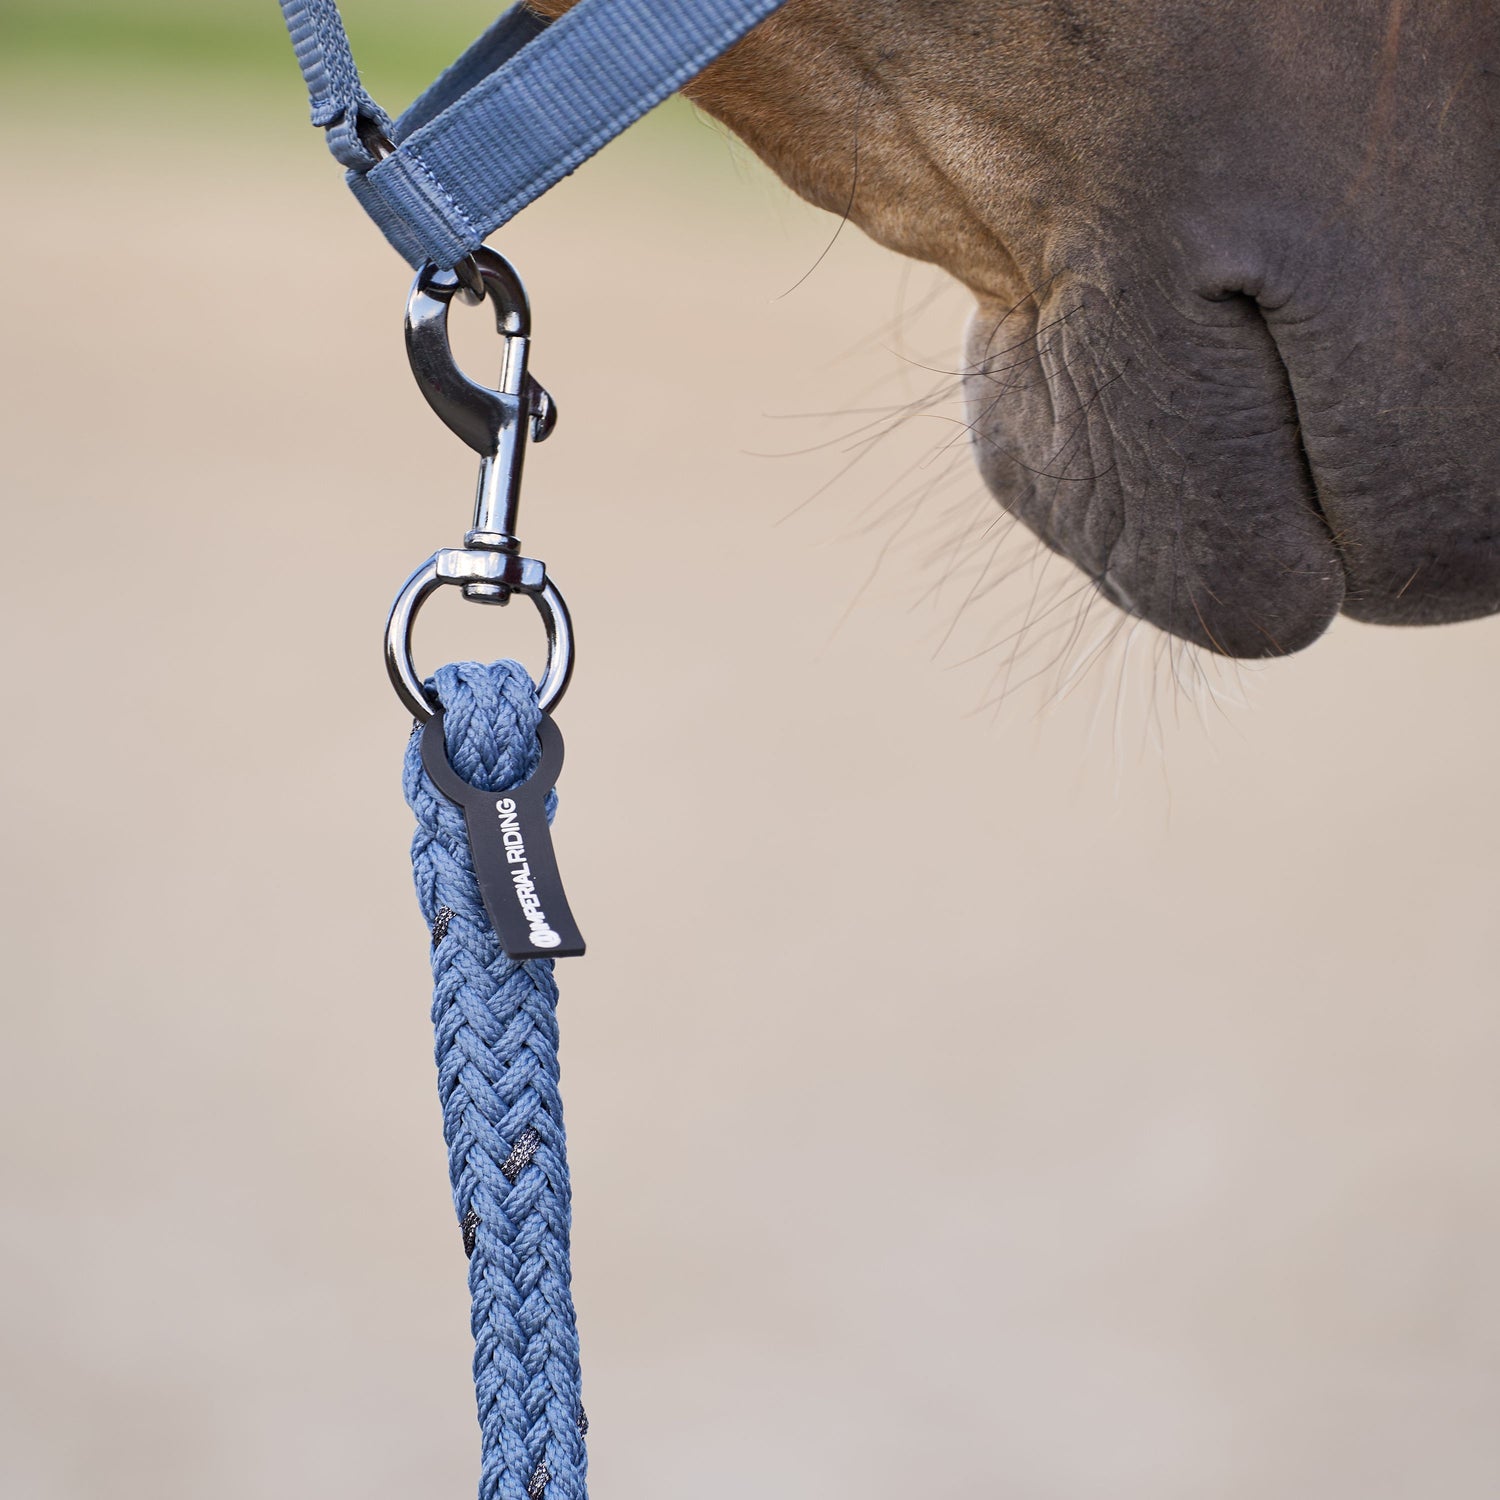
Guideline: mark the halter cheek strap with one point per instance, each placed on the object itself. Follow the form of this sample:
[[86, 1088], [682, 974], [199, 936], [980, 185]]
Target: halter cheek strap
[[529, 102]]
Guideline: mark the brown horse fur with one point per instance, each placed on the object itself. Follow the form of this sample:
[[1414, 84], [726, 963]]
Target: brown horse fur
[[1236, 350]]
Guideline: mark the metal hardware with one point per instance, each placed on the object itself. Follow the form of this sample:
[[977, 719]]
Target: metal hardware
[[496, 423], [455, 566]]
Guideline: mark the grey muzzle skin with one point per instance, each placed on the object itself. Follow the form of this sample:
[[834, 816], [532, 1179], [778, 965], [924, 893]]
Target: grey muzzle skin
[[1249, 377]]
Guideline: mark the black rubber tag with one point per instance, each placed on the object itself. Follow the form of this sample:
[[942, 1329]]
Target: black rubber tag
[[512, 848]]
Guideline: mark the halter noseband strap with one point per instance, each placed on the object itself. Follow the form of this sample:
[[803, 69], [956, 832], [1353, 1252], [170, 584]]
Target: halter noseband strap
[[528, 103]]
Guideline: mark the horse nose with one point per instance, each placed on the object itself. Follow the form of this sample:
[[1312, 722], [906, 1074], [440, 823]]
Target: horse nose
[[1160, 452], [1394, 368]]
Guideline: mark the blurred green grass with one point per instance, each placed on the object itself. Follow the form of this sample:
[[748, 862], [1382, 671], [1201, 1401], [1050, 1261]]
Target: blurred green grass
[[77, 63], [401, 45]]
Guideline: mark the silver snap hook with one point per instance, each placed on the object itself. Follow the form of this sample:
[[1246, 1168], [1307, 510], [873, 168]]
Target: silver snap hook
[[496, 423]]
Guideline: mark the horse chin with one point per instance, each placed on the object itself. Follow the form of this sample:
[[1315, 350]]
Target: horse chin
[[1237, 461], [1170, 473]]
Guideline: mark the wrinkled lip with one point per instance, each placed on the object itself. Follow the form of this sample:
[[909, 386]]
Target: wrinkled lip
[[1118, 590], [1227, 474], [1176, 479]]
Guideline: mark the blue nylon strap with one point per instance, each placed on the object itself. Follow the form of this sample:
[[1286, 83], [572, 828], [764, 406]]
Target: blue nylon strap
[[339, 103], [523, 107]]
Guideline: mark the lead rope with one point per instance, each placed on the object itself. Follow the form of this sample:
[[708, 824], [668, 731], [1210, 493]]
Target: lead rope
[[525, 105], [495, 1020]]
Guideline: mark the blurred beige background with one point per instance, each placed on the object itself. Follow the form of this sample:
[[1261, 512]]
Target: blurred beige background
[[1163, 1166]]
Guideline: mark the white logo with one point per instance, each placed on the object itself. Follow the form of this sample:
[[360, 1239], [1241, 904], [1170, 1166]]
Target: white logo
[[542, 935]]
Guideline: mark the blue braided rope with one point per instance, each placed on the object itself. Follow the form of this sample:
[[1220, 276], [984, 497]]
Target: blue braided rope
[[496, 1024]]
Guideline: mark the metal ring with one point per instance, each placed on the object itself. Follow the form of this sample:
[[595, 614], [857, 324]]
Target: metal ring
[[398, 630]]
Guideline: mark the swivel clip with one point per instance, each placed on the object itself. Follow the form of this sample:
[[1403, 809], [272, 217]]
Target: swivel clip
[[497, 424]]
